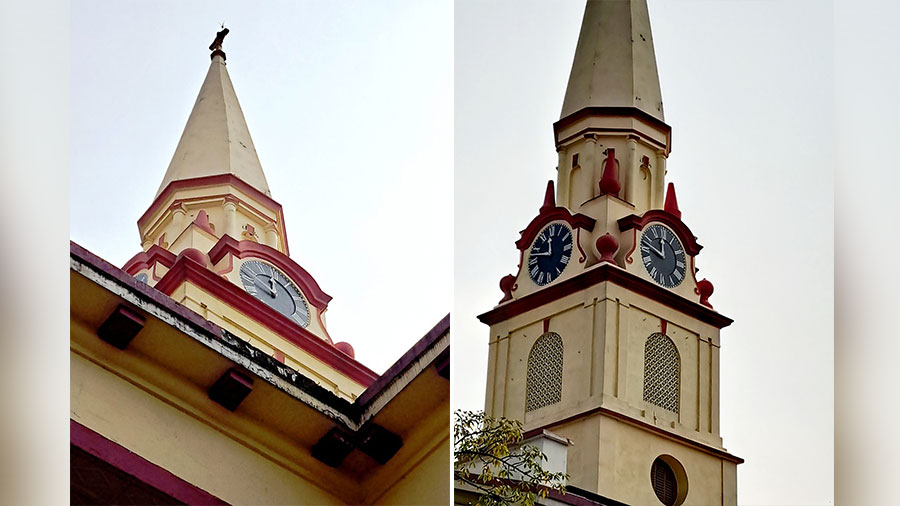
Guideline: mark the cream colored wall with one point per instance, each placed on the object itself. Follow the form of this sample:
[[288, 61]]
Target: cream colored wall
[[604, 330], [642, 187], [182, 444], [426, 483], [615, 458]]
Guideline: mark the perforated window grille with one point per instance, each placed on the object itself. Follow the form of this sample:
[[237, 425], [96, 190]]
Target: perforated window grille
[[545, 364], [661, 372]]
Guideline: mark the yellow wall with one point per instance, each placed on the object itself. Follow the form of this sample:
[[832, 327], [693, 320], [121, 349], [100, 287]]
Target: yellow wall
[[428, 482], [604, 329], [186, 446]]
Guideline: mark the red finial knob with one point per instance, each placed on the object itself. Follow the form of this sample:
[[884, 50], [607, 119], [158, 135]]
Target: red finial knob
[[195, 255], [345, 348], [706, 289], [507, 284], [671, 205], [607, 245], [609, 183], [549, 196]]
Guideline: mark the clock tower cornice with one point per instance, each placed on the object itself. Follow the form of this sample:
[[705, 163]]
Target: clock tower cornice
[[600, 273]]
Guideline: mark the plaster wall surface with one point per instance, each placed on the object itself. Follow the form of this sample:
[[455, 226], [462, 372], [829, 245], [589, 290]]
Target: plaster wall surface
[[614, 458], [604, 330], [182, 444], [428, 482]]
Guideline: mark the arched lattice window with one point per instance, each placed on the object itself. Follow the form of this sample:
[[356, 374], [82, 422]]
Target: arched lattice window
[[543, 386], [661, 372]]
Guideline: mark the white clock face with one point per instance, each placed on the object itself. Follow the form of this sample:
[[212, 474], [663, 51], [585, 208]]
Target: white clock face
[[663, 256], [269, 285]]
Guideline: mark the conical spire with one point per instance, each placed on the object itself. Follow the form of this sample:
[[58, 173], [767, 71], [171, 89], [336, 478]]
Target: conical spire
[[614, 65], [216, 139]]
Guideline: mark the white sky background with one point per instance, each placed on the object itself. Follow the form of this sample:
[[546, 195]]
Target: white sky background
[[747, 89], [350, 106]]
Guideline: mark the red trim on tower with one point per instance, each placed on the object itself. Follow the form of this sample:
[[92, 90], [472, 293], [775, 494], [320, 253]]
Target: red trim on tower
[[146, 259], [241, 249], [218, 179], [546, 325], [548, 214], [185, 269], [639, 222], [663, 324], [598, 274], [615, 111], [129, 462]]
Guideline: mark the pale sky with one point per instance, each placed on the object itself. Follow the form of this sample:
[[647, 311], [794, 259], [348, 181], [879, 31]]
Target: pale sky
[[350, 106], [747, 89]]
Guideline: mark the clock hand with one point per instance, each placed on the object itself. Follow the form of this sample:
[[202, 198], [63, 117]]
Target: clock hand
[[662, 249], [272, 285], [263, 286], [658, 252]]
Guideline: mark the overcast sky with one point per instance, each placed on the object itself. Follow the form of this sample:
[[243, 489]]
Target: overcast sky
[[747, 88], [350, 106]]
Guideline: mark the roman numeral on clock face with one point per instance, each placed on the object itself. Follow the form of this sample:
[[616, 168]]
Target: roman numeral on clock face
[[550, 253], [662, 255]]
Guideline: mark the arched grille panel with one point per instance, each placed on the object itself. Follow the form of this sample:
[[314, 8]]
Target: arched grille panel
[[543, 386], [661, 372]]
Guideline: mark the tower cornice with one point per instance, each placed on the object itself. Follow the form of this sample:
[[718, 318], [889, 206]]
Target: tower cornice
[[598, 274]]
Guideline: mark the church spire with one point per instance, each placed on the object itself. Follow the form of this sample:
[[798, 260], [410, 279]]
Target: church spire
[[612, 105], [216, 139], [614, 64]]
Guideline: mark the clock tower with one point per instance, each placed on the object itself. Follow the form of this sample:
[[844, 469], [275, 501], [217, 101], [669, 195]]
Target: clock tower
[[605, 335], [215, 240]]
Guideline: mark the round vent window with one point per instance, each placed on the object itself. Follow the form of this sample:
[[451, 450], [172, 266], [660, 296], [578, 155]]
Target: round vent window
[[669, 480]]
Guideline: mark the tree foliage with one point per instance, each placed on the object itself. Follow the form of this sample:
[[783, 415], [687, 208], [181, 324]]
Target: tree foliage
[[488, 455]]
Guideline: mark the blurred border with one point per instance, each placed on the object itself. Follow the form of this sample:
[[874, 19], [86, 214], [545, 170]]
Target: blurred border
[[34, 288]]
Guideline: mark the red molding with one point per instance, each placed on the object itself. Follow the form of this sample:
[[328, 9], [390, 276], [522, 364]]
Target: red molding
[[599, 274], [411, 355], [548, 214], [129, 462], [615, 111], [186, 269], [241, 249], [639, 222], [199, 182], [146, 259]]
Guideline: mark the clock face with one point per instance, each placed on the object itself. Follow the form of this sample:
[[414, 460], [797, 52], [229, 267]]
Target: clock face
[[663, 256], [550, 253], [267, 284]]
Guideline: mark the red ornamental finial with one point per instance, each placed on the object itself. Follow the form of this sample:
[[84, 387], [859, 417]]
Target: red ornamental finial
[[609, 183], [706, 289], [549, 196], [507, 285], [202, 221], [671, 205], [607, 245], [346, 349]]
